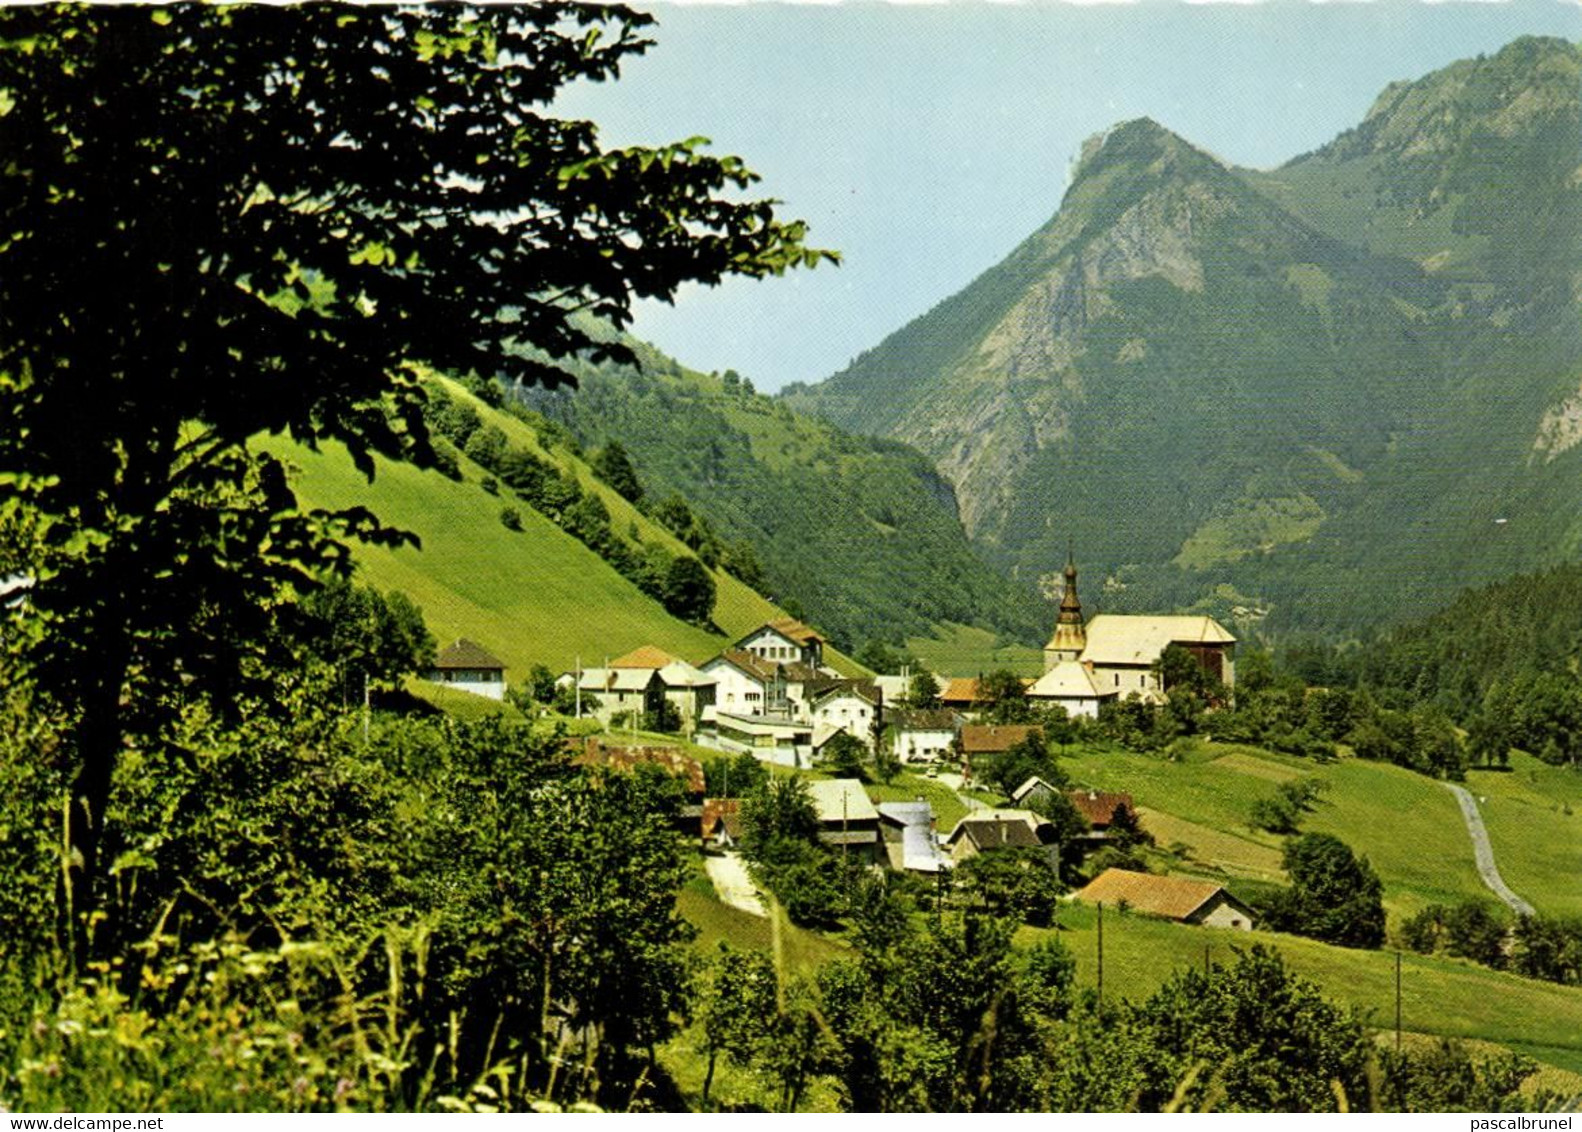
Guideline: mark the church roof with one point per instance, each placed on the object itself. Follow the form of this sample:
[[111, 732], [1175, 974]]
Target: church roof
[[1115, 638], [1067, 680]]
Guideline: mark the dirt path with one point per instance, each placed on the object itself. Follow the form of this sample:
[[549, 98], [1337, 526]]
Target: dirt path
[[1483, 852], [734, 886]]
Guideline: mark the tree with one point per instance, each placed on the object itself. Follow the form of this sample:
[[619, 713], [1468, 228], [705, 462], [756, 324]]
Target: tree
[[224, 221], [922, 691], [844, 756], [612, 465], [364, 634], [1002, 698], [688, 590], [1334, 896]]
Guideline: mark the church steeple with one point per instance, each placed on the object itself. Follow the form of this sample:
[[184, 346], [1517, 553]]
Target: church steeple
[[1070, 637]]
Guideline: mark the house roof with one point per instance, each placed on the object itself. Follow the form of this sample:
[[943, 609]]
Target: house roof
[[1174, 897], [923, 719], [1028, 787], [841, 799], [1025, 818], [598, 752], [920, 850], [990, 833], [1117, 638], [1067, 680], [465, 654], [992, 738], [616, 679], [646, 656], [680, 674], [1099, 806], [750, 664], [793, 629], [717, 811], [861, 689], [960, 690]]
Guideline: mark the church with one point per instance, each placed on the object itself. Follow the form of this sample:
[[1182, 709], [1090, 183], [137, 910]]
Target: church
[[1114, 655]]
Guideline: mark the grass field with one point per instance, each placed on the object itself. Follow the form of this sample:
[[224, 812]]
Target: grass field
[[1408, 826], [531, 596], [1533, 813], [960, 650], [948, 808], [1439, 996]]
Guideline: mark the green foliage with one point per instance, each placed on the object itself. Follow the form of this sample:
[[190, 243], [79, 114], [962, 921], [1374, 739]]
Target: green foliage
[[846, 757], [1446, 1078], [510, 518], [735, 776], [1283, 812], [1019, 884], [1002, 698], [688, 591], [1334, 896], [612, 465]]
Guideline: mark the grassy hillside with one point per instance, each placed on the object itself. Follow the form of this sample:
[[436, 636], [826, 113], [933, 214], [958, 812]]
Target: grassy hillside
[[531, 596], [862, 534]]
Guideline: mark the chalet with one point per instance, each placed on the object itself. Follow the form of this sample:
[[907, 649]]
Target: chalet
[[907, 832], [1120, 651], [1173, 898], [468, 667], [608, 692], [785, 639], [982, 743], [982, 830], [847, 819], [687, 689], [922, 735], [1070, 684], [852, 706]]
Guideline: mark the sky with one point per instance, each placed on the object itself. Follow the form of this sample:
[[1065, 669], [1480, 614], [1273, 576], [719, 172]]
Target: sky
[[925, 141]]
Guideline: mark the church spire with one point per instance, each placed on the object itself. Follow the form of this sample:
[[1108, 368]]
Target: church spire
[[1070, 637]]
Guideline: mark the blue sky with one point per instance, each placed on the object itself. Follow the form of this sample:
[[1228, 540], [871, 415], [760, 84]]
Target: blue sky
[[925, 141]]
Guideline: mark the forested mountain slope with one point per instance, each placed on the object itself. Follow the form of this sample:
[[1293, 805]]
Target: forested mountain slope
[[1333, 393]]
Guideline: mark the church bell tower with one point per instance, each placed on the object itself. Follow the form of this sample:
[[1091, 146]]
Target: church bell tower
[[1070, 637]]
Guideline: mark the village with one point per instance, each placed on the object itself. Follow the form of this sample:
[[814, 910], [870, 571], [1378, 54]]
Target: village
[[772, 696]]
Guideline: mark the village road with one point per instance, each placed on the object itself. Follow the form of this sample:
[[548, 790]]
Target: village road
[[1483, 852], [735, 887]]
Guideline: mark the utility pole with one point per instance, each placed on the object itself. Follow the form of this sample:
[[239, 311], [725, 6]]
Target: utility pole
[[367, 708], [579, 687], [1397, 1001], [1101, 950]]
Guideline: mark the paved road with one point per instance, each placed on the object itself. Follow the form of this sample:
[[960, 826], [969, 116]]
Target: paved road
[[733, 884], [1483, 852]]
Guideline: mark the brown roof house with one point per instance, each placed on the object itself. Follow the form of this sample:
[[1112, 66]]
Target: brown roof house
[[469, 667], [982, 830], [981, 743], [721, 825], [1173, 898]]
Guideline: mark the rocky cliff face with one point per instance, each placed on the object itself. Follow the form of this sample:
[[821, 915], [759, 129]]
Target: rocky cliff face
[[1215, 379]]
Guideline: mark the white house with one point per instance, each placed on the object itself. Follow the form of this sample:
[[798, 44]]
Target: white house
[[689, 690], [785, 639], [850, 706], [783, 741], [1070, 685], [468, 667], [922, 735], [747, 684], [608, 692]]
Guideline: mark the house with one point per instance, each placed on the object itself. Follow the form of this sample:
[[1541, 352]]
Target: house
[[853, 706], [787, 742], [982, 830], [1173, 898], [747, 684], [598, 751], [1032, 792], [1100, 808], [919, 735], [907, 832], [982, 743], [609, 692], [897, 689], [720, 825], [690, 691], [785, 639], [847, 819], [1070, 684], [468, 667], [960, 693], [1119, 651]]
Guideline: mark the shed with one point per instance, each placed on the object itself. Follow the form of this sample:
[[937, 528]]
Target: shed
[[1173, 898]]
